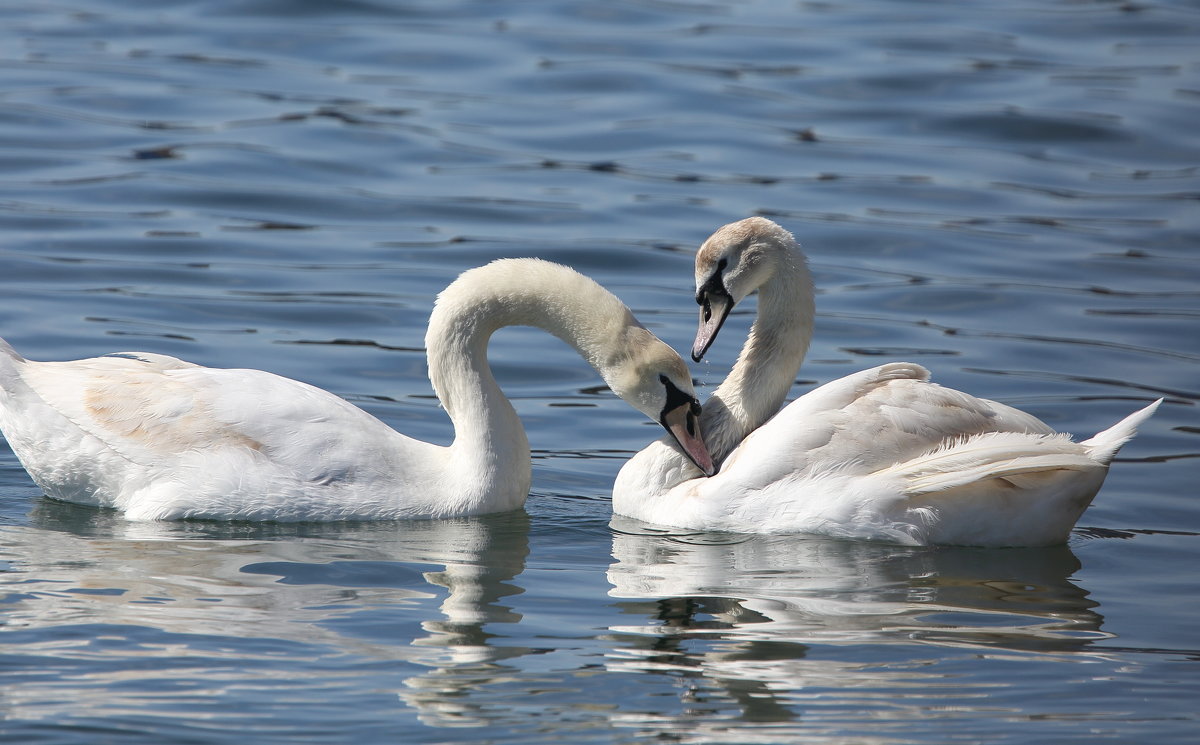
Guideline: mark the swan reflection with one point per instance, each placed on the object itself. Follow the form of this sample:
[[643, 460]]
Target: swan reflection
[[772, 624], [810, 589], [178, 592]]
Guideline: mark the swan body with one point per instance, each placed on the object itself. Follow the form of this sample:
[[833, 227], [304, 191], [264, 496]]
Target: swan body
[[159, 438], [881, 454]]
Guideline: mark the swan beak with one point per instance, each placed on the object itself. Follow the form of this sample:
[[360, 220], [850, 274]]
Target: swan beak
[[684, 425], [714, 309]]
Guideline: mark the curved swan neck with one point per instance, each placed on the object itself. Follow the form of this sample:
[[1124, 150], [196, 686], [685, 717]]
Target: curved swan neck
[[521, 292], [511, 292], [767, 365]]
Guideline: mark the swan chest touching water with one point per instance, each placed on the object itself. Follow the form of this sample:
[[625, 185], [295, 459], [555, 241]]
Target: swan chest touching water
[[883, 453], [159, 438]]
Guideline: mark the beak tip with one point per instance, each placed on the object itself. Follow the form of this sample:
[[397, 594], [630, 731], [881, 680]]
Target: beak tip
[[700, 456], [703, 460]]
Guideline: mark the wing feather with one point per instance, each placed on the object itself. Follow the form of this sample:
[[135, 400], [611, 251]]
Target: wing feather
[[147, 408], [872, 420]]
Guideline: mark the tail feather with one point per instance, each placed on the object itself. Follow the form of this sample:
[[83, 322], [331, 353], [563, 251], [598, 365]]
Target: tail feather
[[989, 456], [7, 350], [1011, 470], [1011, 455], [10, 362], [1104, 446]]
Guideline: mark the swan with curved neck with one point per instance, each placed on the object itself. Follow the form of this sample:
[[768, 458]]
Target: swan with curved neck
[[160, 438], [882, 453]]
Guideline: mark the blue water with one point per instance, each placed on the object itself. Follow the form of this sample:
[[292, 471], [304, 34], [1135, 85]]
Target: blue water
[[1008, 193]]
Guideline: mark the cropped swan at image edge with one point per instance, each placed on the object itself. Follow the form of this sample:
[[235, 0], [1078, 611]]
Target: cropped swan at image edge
[[881, 454], [160, 438]]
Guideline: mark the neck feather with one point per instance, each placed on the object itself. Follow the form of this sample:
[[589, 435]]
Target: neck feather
[[764, 372]]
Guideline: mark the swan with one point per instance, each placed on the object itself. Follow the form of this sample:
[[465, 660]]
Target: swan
[[159, 438], [881, 454]]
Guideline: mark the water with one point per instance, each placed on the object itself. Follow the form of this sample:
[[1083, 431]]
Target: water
[[1004, 192]]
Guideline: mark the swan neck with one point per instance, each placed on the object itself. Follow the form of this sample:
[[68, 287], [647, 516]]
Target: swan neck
[[489, 441], [766, 368]]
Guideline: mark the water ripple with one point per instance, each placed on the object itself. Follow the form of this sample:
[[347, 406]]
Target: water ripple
[[1008, 196]]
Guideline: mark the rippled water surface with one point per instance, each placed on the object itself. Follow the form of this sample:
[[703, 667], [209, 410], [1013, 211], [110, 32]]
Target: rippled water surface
[[1008, 193]]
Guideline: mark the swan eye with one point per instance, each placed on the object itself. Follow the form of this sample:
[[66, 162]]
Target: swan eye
[[714, 285], [693, 418], [676, 397]]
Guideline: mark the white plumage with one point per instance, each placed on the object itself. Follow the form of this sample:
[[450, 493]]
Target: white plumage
[[159, 438], [882, 453]]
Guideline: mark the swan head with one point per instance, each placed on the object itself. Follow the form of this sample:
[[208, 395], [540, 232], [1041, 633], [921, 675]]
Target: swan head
[[654, 379], [734, 262]]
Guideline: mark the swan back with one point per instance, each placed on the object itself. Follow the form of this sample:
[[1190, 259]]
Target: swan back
[[160, 438]]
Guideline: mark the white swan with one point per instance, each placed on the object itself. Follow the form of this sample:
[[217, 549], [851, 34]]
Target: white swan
[[882, 453], [159, 438]]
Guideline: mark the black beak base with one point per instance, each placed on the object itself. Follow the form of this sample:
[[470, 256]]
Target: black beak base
[[681, 417], [714, 309]]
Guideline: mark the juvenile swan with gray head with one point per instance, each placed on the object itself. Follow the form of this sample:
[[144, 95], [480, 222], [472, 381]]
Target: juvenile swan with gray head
[[882, 453]]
